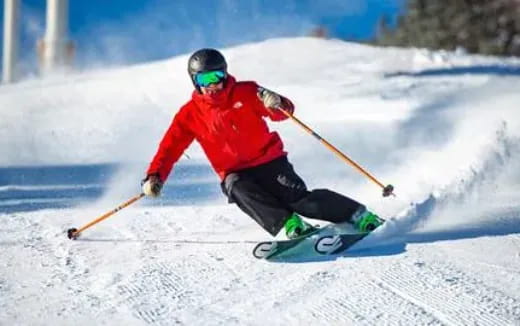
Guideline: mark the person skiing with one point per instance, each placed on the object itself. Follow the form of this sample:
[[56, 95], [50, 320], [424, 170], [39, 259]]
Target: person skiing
[[226, 117]]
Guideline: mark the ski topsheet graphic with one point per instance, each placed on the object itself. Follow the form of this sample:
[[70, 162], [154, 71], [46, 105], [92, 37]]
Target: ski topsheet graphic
[[268, 249], [335, 244]]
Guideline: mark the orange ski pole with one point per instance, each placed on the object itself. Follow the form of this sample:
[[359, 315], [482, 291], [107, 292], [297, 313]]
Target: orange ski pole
[[74, 233], [387, 190]]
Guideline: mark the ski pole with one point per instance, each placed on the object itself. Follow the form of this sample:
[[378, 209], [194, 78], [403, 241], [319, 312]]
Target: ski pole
[[387, 190], [74, 233]]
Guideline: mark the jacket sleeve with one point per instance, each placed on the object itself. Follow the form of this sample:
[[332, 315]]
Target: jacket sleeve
[[176, 139], [273, 114]]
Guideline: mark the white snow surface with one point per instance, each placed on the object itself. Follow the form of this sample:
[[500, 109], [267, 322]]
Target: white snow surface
[[443, 128]]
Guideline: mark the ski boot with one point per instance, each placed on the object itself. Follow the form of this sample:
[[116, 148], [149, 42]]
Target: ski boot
[[366, 221], [296, 227]]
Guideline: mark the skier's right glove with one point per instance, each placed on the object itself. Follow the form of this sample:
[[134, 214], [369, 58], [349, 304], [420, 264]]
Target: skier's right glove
[[152, 185]]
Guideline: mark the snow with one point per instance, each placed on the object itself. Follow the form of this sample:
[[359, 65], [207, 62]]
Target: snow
[[443, 128]]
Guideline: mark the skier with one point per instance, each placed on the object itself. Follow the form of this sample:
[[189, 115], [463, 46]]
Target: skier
[[226, 117]]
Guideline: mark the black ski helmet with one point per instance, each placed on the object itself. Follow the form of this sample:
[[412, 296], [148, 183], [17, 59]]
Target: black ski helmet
[[205, 60]]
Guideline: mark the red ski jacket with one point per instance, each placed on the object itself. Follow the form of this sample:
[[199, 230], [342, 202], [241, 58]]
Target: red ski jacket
[[229, 126]]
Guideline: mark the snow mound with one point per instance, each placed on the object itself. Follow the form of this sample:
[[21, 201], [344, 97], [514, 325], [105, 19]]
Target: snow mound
[[442, 127]]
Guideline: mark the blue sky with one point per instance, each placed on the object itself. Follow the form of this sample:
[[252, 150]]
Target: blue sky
[[129, 31]]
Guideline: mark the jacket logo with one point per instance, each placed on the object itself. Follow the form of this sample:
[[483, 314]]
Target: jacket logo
[[237, 105]]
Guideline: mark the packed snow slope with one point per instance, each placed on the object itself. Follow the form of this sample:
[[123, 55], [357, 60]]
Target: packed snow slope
[[443, 128]]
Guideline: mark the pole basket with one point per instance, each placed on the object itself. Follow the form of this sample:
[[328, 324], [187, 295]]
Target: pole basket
[[72, 233], [388, 190]]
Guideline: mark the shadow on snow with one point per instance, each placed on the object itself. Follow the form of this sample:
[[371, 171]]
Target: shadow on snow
[[398, 245], [401, 232], [398, 233], [24, 189]]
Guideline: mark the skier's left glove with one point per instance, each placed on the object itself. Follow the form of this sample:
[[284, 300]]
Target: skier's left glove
[[152, 185], [273, 100], [270, 99]]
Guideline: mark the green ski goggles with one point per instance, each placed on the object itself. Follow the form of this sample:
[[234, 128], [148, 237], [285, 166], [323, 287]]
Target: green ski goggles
[[204, 79]]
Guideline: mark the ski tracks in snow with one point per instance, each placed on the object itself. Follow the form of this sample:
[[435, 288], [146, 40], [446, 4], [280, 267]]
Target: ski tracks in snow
[[450, 294], [122, 275], [227, 289]]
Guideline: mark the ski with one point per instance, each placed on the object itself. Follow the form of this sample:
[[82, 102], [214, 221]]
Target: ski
[[329, 240], [340, 241]]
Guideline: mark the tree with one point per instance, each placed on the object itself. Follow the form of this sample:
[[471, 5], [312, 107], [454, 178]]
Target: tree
[[479, 26]]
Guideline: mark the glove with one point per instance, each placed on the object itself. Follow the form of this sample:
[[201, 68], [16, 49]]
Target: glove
[[271, 99], [152, 185]]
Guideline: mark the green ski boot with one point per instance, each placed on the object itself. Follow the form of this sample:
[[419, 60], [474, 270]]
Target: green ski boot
[[296, 227], [366, 221]]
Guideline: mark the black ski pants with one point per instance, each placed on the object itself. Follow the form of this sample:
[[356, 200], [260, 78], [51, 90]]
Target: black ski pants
[[271, 192]]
